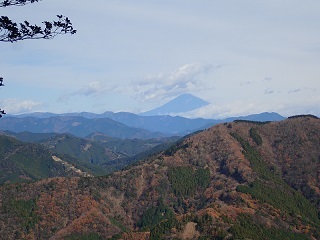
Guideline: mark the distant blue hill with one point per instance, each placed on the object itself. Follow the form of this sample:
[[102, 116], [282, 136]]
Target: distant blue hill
[[260, 117], [175, 125], [49, 114], [121, 124], [181, 104], [75, 125]]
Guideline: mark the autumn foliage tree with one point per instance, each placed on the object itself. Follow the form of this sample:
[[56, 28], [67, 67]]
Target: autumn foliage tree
[[11, 31]]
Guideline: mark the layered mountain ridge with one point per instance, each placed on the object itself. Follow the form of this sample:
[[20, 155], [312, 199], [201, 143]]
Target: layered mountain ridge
[[121, 125], [162, 121]]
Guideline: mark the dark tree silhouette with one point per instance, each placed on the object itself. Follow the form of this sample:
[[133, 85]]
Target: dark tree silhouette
[[1, 84], [16, 2], [11, 31], [1, 113]]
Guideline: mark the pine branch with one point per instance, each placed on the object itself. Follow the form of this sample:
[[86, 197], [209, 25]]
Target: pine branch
[[12, 32]]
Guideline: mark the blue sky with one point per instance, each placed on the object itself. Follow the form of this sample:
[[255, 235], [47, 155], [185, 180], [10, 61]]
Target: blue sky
[[242, 56]]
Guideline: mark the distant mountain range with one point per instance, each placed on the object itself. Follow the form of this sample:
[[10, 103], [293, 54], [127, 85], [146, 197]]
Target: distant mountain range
[[120, 125], [181, 104], [78, 126], [156, 123]]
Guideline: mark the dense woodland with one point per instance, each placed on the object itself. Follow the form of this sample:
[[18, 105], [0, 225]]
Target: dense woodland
[[240, 180], [26, 156]]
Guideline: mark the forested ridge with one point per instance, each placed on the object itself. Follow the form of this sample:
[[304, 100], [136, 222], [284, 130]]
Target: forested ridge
[[233, 181]]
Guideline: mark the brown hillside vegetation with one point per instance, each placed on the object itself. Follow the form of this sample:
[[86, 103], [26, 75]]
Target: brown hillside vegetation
[[241, 180]]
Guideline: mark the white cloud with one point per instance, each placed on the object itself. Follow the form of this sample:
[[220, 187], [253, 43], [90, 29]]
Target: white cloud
[[187, 78], [221, 111], [287, 107], [14, 105], [94, 88]]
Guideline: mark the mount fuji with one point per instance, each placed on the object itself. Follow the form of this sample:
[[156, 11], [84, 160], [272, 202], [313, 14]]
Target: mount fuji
[[180, 104]]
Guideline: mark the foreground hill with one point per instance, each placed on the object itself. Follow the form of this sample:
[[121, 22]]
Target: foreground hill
[[240, 180]]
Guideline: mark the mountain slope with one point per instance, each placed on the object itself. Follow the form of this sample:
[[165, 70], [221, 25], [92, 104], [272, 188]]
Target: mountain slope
[[240, 180], [20, 162], [26, 161], [180, 104], [29, 136], [100, 153], [86, 153]]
